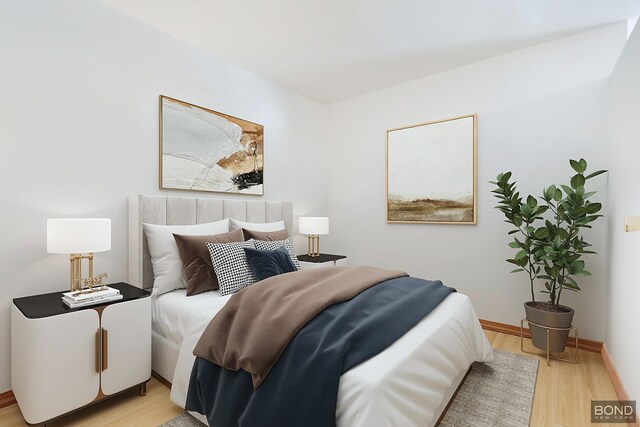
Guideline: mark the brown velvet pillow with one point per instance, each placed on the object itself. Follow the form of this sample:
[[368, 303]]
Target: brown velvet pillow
[[265, 235], [196, 260]]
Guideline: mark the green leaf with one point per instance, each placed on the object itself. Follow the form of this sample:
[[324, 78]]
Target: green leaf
[[592, 218], [569, 285], [575, 199], [594, 208], [582, 273], [591, 175], [549, 192], [583, 165], [557, 196], [541, 233], [541, 209], [514, 245], [575, 165], [505, 177], [580, 211], [517, 270], [576, 266], [571, 281], [567, 189], [532, 202], [577, 181]]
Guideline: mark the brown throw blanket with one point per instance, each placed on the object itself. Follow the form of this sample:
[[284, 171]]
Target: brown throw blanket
[[256, 324]]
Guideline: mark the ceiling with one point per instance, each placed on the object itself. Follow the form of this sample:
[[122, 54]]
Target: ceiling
[[330, 50]]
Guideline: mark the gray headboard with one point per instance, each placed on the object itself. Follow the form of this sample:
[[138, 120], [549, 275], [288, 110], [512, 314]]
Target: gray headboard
[[186, 211]]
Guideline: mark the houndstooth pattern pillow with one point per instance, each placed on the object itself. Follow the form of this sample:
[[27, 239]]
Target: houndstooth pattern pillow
[[264, 245], [231, 266]]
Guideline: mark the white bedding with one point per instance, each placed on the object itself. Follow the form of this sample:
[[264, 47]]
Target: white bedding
[[172, 312], [404, 385]]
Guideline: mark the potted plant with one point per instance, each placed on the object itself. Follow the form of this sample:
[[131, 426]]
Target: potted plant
[[547, 236]]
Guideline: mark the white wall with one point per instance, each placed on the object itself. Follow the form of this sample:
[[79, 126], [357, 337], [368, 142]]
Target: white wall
[[536, 108], [623, 284], [79, 132]]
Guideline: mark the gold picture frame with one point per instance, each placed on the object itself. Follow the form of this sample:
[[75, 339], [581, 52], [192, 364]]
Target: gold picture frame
[[431, 175], [204, 150]]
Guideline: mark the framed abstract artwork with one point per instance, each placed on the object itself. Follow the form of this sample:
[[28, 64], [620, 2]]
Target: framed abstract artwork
[[431, 172], [204, 150]]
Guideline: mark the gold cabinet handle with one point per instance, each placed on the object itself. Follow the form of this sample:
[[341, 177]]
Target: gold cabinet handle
[[98, 350], [105, 349]]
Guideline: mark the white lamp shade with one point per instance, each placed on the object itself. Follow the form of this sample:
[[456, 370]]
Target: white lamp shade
[[313, 225], [78, 235]]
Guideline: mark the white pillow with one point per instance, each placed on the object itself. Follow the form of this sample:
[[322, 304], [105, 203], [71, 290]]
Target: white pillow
[[165, 258], [258, 226]]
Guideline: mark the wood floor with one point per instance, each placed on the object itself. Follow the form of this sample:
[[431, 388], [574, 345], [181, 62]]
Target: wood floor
[[563, 390], [563, 396]]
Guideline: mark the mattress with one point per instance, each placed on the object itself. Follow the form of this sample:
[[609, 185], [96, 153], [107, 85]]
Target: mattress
[[407, 384], [172, 312]]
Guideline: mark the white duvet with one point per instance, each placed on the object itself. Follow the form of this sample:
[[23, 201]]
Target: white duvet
[[405, 385]]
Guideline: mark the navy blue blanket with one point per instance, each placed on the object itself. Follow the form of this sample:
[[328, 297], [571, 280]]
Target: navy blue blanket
[[302, 387]]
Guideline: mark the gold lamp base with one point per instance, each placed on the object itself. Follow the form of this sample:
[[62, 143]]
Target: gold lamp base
[[313, 245], [76, 282], [75, 270]]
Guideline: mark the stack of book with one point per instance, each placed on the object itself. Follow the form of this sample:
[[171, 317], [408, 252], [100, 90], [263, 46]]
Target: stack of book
[[82, 299]]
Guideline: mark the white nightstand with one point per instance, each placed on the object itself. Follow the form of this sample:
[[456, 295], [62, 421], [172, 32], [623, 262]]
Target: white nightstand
[[63, 359], [322, 260]]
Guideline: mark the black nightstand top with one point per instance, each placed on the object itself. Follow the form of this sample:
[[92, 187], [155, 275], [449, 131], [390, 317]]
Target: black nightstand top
[[45, 305], [321, 258]]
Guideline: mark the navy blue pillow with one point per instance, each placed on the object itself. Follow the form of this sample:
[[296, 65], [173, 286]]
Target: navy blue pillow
[[265, 264]]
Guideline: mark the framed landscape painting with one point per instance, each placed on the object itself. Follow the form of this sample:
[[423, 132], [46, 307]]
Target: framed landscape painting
[[431, 172], [204, 150]]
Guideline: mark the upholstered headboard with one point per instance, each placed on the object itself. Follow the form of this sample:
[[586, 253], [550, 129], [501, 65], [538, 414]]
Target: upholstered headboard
[[186, 211]]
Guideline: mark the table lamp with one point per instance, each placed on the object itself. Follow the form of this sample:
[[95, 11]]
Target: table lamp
[[80, 238], [313, 227]]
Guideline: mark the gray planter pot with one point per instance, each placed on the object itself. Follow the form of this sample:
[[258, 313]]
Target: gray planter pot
[[557, 339]]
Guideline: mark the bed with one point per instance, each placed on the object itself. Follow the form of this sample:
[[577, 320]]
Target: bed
[[409, 383]]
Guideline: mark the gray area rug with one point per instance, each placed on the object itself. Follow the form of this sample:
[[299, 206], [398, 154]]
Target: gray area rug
[[496, 394], [183, 420]]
